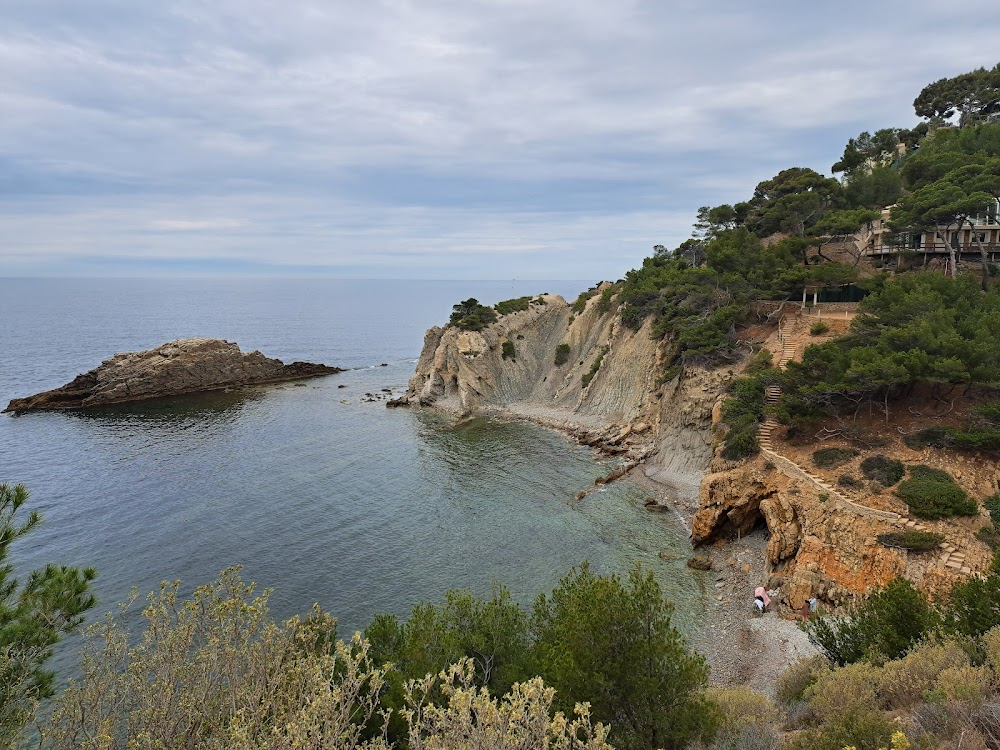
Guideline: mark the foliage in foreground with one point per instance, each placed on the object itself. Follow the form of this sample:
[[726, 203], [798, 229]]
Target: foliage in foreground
[[884, 625], [215, 671], [892, 620], [34, 616], [940, 694]]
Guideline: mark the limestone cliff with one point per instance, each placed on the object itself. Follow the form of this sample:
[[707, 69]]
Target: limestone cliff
[[822, 537], [624, 408], [178, 367]]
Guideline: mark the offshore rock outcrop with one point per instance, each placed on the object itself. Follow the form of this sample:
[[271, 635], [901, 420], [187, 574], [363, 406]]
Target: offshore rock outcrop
[[175, 368], [622, 409]]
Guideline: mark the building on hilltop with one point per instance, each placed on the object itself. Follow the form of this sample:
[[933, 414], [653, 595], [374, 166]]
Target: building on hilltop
[[878, 240]]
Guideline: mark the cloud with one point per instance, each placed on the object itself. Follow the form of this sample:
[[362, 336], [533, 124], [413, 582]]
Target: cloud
[[297, 135], [182, 225]]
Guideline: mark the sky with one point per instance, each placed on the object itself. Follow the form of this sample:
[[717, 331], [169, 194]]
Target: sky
[[438, 139]]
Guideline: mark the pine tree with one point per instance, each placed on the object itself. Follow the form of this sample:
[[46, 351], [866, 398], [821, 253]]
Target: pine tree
[[34, 616]]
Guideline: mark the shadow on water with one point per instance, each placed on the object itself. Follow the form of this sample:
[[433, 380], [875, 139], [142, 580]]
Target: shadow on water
[[205, 405]]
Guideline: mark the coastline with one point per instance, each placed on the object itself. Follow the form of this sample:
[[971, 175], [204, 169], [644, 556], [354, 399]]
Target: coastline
[[743, 649]]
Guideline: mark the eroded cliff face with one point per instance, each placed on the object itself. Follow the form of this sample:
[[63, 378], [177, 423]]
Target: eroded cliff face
[[623, 409], [823, 534]]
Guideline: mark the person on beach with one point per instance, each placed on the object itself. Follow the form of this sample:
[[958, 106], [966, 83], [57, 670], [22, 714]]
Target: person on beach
[[761, 600]]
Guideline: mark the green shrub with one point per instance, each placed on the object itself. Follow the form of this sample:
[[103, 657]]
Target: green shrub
[[931, 436], [818, 328], [507, 350], [974, 606], [539, 300], [792, 684], [759, 362], [882, 469], [742, 413], [589, 375], [922, 471], [562, 354], [981, 434], [884, 625], [861, 728], [915, 541], [605, 303], [469, 315], [831, 458], [508, 306], [904, 682], [992, 504], [989, 536], [580, 304], [610, 641], [932, 493], [851, 483]]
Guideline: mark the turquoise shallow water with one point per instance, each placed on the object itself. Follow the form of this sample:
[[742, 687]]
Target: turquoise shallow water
[[357, 507]]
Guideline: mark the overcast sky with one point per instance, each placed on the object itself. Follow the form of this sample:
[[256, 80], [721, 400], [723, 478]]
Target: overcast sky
[[431, 138]]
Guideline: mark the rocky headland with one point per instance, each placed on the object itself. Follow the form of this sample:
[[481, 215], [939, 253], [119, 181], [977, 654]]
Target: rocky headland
[[176, 368], [774, 520], [607, 392]]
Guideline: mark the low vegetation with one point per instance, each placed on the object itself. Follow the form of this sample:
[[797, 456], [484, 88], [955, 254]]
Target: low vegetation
[[914, 541], [589, 375], [742, 413], [831, 458], [759, 362], [469, 315], [992, 504], [932, 494], [519, 304], [507, 350], [818, 328], [580, 303], [933, 669], [981, 433], [216, 671], [882, 469], [562, 355]]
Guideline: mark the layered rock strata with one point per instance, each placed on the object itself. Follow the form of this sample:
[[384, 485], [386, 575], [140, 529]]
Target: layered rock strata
[[175, 368], [608, 393]]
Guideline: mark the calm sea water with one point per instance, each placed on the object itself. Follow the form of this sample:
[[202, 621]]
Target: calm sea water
[[318, 494]]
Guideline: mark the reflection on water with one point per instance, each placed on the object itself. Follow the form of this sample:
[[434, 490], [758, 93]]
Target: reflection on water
[[206, 405]]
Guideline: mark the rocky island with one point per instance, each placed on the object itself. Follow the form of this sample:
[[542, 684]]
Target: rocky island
[[176, 368]]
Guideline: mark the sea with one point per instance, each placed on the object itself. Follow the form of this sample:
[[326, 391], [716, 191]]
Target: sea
[[321, 494]]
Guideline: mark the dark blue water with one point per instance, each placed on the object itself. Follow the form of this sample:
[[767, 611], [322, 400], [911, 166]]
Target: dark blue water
[[359, 508]]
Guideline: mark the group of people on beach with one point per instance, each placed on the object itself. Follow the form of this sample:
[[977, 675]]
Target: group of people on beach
[[761, 601]]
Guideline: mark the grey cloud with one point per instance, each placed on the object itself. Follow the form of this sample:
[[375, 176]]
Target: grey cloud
[[463, 119]]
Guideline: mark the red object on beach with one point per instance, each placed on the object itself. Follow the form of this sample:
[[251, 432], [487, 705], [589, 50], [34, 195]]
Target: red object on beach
[[761, 593]]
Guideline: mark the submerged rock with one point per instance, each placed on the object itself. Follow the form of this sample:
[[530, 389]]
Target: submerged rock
[[175, 368]]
